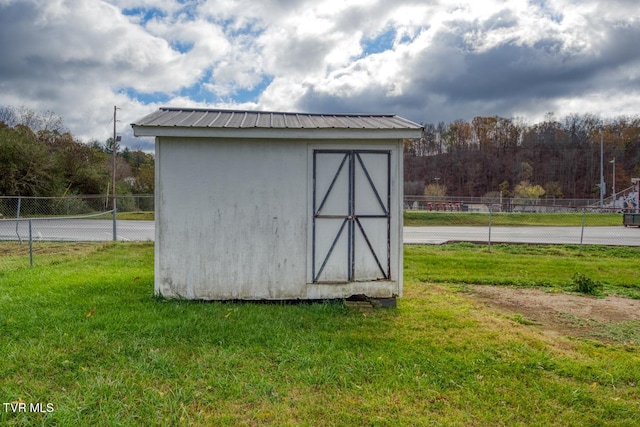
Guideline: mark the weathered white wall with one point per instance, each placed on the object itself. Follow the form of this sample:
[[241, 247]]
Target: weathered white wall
[[232, 221]]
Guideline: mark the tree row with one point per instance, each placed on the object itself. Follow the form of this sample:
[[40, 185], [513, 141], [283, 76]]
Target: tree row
[[39, 157], [557, 158]]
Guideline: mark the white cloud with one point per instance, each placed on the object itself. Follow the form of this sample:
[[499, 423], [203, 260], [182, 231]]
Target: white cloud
[[428, 61]]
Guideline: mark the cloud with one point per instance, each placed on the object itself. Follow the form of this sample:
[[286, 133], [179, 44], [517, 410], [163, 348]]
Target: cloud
[[464, 64], [74, 57], [428, 61]]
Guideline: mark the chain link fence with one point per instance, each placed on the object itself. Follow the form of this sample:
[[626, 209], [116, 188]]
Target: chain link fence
[[627, 202], [30, 226], [35, 225], [38, 207], [437, 220], [580, 226]]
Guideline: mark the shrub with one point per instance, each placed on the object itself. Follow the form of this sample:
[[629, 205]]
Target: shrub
[[586, 285]]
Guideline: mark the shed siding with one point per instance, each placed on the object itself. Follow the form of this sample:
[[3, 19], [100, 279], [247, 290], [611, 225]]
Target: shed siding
[[231, 219]]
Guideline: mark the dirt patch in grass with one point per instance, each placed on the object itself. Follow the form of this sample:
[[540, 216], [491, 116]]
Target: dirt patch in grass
[[610, 319]]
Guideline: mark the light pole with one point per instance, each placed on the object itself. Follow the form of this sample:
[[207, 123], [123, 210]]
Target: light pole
[[613, 186]]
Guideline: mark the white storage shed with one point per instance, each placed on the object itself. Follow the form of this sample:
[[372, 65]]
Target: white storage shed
[[269, 205]]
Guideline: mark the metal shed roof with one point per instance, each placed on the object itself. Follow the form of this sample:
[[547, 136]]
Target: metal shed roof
[[268, 124]]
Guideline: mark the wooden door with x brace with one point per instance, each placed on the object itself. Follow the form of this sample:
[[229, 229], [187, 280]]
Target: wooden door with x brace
[[351, 216]]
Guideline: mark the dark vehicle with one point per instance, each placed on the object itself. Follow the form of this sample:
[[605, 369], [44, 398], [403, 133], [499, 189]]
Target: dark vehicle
[[631, 219]]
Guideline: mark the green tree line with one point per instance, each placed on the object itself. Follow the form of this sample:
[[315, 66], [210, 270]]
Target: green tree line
[[39, 157], [556, 158]]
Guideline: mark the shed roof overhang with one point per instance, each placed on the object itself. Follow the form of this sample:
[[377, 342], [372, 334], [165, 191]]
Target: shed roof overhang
[[267, 133], [199, 123]]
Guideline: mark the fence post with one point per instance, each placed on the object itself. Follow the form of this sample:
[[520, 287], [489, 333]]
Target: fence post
[[18, 219], [490, 220], [584, 212], [30, 245], [115, 235]]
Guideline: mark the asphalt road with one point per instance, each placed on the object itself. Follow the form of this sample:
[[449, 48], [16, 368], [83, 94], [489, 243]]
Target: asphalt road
[[102, 230], [80, 230], [618, 236]]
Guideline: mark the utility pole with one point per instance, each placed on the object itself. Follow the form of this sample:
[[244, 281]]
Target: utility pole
[[602, 184], [114, 149]]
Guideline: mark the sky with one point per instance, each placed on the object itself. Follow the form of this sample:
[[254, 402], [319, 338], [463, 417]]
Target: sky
[[424, 60]]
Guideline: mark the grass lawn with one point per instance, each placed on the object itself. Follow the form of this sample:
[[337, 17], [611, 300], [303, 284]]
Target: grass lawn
[[552, 266], [130, 216], [424, 218], [82, 333]]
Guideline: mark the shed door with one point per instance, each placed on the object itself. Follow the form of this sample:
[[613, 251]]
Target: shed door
[[351, 216]]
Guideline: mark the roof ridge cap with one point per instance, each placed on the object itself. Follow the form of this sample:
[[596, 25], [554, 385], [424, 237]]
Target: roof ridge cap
[[233, 110]]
